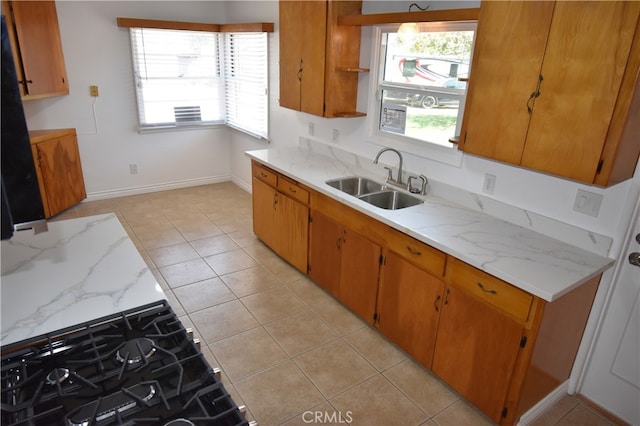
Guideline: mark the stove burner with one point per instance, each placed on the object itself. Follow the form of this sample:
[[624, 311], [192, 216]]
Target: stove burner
[[57, 375], [180, 422], [136, 350]]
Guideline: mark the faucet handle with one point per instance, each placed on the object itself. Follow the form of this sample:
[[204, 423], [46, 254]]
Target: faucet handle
[[423, 186], [390, 173], [410, 187]]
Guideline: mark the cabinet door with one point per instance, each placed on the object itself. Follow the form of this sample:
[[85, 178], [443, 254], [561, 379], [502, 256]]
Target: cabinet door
[[359, 272], [303, 29], [292, 231], [582, 71], [264, 212], [59, 162], [325, 243], [38, 35], [507, 58], [314, 34], [476, 350], [291, 30], [408, 308]]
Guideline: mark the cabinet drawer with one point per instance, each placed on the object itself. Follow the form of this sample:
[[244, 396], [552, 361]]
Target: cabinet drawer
[[266, 175], [293, 190], [417, 252], [492, 290]]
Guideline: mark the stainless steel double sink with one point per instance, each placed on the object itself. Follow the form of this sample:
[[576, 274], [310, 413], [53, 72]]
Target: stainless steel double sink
[[374, 193]]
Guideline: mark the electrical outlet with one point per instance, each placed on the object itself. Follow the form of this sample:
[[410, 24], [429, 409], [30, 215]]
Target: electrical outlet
[[311, 128], [587, 203], [335, 135], [133, 168], [489, 184], [93, 90]]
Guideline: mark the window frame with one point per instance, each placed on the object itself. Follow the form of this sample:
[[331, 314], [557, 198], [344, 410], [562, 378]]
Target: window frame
[[140, 103], [221, 40], [448, 155]]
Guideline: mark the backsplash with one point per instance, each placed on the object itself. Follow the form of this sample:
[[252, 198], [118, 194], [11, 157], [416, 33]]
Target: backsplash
[[356, 164]]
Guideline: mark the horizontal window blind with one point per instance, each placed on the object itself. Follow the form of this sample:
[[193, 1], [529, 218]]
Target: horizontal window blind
[[246, 79], [178, 77]]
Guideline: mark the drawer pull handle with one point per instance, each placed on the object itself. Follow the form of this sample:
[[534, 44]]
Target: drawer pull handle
[[292, 189], [435, 303], [414, 251], [263, 175], [485, 290]]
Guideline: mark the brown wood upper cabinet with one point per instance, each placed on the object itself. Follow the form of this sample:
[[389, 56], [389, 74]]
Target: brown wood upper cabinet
[[318, 58], [561, 80], [37, 48], [58, 169]]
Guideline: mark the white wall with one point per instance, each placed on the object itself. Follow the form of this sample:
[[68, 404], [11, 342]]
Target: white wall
[[97, 52]]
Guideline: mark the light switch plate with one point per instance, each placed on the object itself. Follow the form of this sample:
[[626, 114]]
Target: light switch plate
[[587, 203]]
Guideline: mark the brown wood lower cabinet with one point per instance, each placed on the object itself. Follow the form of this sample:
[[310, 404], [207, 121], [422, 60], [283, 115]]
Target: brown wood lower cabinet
[[345, 264], [500, 347], [477, 350], [408, 309], [59, 170], [281, 221]]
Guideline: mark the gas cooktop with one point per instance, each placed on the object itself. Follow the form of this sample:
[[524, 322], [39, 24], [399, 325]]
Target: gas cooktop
[[138, 367]]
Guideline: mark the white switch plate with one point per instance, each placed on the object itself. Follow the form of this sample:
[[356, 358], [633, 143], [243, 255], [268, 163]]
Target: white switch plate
[[587, 203], [335, 135], [489, 184], [312, 128]]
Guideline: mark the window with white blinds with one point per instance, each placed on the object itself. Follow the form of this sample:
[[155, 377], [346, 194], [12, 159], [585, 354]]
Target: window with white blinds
[[246, 82], [196, 78]]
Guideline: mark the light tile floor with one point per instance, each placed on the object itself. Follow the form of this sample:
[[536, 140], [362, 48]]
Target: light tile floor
[[288, 351]]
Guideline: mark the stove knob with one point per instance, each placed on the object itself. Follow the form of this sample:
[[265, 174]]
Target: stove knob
[[243, 410], [189, 333], [197, 343], [253, 423]]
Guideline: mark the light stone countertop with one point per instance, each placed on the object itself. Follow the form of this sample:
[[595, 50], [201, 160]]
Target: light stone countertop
[[536, 263], [79, 270]]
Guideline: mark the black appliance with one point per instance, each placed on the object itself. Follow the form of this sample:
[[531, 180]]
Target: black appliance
[[138, 367], [21, 202]]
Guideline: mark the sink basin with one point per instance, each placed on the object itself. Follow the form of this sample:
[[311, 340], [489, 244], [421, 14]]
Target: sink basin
[[356, 186], [391, 200], [374, 193]]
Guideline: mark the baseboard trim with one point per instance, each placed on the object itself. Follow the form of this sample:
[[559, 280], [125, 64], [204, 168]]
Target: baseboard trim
[[545, 404], [123, 192], [242, 184]]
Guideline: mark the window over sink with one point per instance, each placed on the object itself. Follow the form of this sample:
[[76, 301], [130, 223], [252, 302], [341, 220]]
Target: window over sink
[[420, 85]]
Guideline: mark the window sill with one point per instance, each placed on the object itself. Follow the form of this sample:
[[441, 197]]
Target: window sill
[[162, 129]]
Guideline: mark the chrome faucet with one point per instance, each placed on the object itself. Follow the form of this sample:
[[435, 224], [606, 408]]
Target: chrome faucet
[[399, 179]]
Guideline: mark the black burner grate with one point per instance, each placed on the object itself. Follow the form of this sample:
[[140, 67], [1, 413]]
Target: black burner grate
[[138, 367]]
